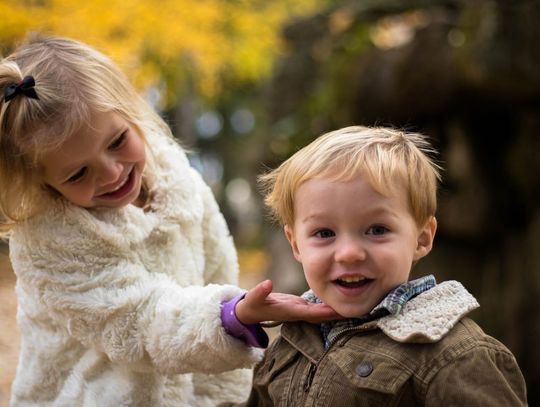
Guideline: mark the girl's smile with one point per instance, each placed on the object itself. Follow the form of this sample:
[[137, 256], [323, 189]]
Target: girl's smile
[[99, 166], [125, 186]]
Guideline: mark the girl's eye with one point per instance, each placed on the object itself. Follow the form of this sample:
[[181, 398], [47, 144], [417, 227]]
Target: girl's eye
[[78, 175], [117, 142], [325, 233], [377, 230]]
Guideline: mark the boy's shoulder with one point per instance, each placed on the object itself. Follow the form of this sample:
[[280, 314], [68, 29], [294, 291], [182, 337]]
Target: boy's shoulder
[[366, 358]]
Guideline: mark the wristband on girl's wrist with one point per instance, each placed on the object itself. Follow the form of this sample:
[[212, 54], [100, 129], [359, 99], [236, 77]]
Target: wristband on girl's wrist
[[251, 334]]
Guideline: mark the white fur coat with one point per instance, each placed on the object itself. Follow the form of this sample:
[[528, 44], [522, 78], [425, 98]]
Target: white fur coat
[[122, 307]]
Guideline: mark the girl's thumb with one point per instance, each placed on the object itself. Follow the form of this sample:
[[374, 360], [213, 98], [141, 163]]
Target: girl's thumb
[[262, 290]]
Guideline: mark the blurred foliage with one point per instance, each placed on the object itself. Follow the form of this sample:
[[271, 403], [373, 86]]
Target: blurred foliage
[[171, 43]]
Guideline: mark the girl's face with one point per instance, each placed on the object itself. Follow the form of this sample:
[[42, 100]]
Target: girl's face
[[355, 245], [99, 167]]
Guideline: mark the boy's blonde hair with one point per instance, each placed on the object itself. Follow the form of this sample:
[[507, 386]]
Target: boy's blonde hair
[[73, 81], [386, 156]]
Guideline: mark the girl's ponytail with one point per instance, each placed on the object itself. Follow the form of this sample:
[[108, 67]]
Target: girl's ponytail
[[18, 188]]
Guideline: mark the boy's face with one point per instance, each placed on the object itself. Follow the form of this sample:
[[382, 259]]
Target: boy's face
[[355, 245]]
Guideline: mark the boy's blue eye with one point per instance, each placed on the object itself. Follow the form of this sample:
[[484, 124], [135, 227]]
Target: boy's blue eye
[[78, 175], [325, 233], [377, 230], [117, 142]]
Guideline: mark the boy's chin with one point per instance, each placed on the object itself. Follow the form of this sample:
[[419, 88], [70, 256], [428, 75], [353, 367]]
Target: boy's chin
[[350, 311]]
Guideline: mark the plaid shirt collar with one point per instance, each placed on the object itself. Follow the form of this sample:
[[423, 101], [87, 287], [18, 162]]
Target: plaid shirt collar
[[391, 304]]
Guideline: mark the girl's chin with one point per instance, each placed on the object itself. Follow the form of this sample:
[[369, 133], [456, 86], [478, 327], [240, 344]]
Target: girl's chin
[[120, 203]]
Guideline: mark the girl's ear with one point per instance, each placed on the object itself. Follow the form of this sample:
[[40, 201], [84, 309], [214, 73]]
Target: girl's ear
[[426, 235], [289, 232]]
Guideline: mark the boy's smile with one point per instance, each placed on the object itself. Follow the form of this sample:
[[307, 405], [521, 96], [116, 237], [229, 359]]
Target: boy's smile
[[355, 245], [99, 166]]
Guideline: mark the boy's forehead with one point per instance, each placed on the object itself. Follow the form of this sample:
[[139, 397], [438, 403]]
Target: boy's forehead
[[387, 184], [322, 198], [394, 188]]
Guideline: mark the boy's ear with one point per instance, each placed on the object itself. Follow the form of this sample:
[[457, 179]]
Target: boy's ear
[[425, 238], [289, 232]]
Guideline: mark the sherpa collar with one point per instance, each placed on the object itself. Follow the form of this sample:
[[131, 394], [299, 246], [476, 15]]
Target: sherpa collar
[[427, 317], [391, 304]]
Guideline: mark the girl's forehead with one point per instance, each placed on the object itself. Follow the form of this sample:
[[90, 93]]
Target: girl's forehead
[[59, 126], [55, 138]]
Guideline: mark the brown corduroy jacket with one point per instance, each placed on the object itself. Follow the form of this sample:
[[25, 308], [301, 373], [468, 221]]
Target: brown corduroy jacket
[[429, 355]]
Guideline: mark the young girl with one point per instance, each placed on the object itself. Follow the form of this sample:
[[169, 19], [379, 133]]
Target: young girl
[[122, 257]]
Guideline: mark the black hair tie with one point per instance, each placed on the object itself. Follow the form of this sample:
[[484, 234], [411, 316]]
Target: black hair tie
[[25, 87]]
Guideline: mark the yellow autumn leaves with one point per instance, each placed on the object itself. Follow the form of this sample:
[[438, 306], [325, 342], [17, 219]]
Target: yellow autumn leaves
[[167, 41]]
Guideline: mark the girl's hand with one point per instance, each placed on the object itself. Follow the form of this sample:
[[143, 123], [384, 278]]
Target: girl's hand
[[261, 304]]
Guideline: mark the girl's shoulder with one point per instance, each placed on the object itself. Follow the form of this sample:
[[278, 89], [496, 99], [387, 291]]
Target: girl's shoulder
[[62, 225], [175, 186]]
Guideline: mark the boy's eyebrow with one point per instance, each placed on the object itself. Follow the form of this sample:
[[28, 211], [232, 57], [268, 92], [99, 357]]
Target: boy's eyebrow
[[382, 210], [312, 216], [377, 211]]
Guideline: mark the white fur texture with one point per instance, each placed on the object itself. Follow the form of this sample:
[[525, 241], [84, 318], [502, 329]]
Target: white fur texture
[[122, 307]]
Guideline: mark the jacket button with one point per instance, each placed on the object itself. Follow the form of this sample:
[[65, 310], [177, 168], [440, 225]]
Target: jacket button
[[364, 369]]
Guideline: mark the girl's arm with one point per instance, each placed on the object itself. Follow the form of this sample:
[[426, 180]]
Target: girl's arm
[[71, 283]]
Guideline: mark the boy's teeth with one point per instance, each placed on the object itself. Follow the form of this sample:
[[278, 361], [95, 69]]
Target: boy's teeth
[[352, 279]]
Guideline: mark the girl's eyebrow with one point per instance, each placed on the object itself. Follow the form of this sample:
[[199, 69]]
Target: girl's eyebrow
[[66, 172], [71, 167], [62, 173], [116, 132]]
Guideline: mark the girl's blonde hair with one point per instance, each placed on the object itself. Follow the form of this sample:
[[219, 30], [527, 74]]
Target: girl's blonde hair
[[73, 81], [386, 156]]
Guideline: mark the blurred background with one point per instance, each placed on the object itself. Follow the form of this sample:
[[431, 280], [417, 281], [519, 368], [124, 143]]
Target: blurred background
[[245, 83]]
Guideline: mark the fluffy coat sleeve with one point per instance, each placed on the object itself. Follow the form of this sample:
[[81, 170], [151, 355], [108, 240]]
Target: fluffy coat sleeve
[[103, 288]]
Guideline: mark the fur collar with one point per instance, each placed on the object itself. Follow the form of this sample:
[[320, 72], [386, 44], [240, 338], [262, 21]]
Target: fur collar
[[429, 316]]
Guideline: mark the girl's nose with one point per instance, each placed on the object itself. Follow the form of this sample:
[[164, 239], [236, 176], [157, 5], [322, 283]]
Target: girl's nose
[[109, 171], [350, 250]]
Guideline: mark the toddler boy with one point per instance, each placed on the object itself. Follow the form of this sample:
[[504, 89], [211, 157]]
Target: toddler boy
[[358, 208]]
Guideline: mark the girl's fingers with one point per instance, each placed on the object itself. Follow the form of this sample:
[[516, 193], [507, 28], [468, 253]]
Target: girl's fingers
[[259, 293], [251, 309], [260, 304]]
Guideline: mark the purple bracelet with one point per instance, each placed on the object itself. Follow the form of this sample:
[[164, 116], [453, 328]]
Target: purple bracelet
[[251, 334]]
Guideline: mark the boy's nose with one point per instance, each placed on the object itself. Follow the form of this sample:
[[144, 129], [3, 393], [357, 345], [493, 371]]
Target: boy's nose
[[350, 250]]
